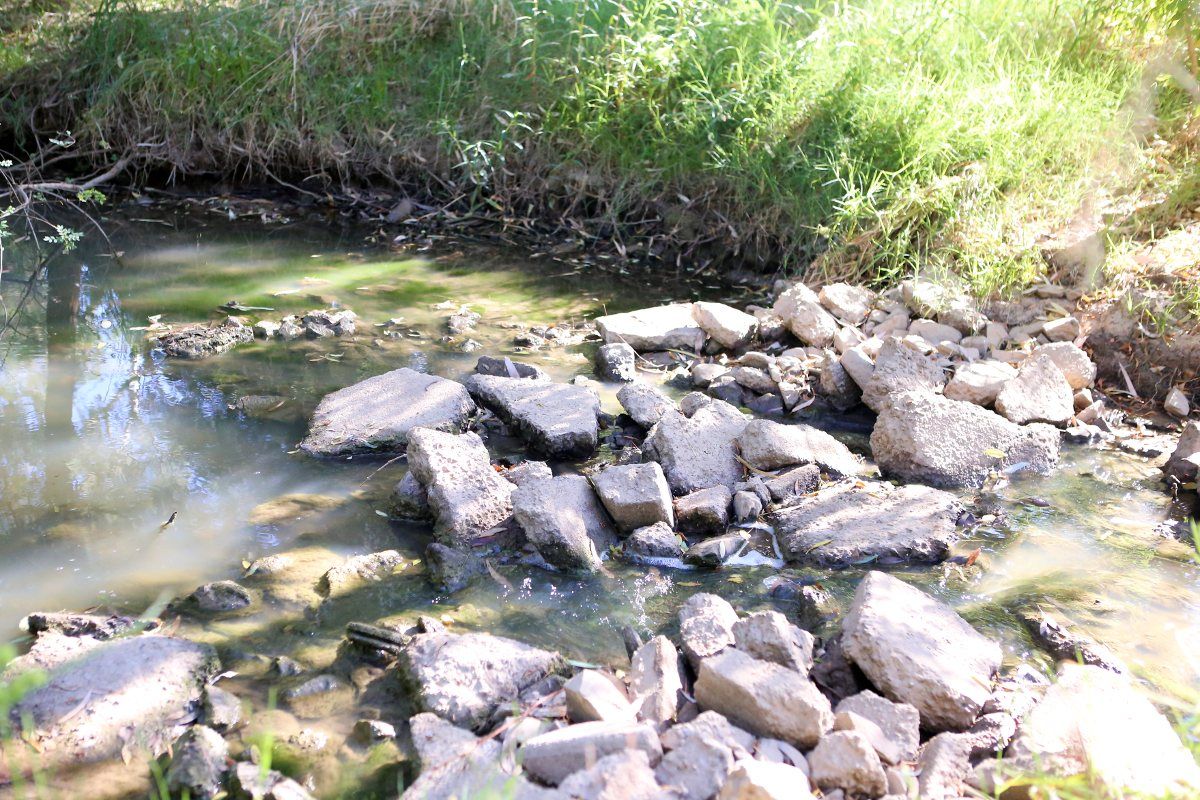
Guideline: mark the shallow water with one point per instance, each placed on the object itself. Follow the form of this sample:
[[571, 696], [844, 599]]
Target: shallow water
[[102, 440]]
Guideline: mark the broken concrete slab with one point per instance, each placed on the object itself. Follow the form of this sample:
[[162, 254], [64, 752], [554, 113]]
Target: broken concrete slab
[[466, 495], [698, 452], [556, 419], [669, 327], [565, 521]]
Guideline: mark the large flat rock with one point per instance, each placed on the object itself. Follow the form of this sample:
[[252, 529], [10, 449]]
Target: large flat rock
[[376, 415], [697, 452], [925, 437], [466, 495], [564, 520], [463, 677], [669, 327], [854, 520], [556, 419], [917, 650]]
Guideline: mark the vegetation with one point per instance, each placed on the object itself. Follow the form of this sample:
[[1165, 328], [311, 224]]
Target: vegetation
[[866, 139]]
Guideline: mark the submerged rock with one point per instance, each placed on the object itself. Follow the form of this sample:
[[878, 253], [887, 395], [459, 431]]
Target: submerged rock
[[1065, 644], [698, 452], [669, 327], [918, 650], [357, 570], [220, 597], [551, 757], [557, 419], [564, 520], [922, 436], [855, 521], [376, 415], [204, 341], [464, 677], [198, 765], [767, 445], [467, 496], [451, 569]]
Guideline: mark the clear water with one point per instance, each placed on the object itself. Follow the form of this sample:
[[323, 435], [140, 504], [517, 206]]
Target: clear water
[[101, 441]]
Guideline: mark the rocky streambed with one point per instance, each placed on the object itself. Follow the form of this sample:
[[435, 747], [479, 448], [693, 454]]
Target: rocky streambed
[[718, 463]]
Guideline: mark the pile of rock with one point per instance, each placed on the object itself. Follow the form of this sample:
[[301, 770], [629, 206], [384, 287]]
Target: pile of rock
[[203, 341]]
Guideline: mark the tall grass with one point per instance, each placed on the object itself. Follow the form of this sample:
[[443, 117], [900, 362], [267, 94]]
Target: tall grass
[[889, 136]]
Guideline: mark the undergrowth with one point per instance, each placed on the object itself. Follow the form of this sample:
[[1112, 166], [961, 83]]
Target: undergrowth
[[862, 140]]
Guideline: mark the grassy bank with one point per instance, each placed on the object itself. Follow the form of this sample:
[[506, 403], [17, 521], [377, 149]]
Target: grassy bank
[[889, 136]]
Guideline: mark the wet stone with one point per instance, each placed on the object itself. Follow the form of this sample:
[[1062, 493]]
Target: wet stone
[[652, 544], [410, 500], [198, 764], [221, 597], [468, 498], [202, 341], [617, 362], [718, 550], [704, 512], [559, 420], [507, 368], [451, 569], [95, 625], [222, 709]]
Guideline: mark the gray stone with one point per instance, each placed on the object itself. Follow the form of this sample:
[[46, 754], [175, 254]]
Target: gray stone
[[592, 695], [617, 362], [765, 699], [645, 403], [851, 304], [944, 765], [625, 775], [756, 380], [410, 500], [979, 382], [451, 569], [705, 511], [636, 495], [1179, 465], [565, 521], [705, 626], [251, 781], [1064, 329], [794, 482], [934, 332], [887, 750], [899, 368], [1072, 361], [468, 498], [696, 769], [464, 677], [527, 472], [1039, 393], [836, 385], [845, 760], [370, 732], [377, 414], [551, 757], [670, 327], [222, 709], [318, 697], [1067, 644], [724, 324], [718, 550], [221, 597], [859, 365], [767, 445], [900, 722], [507, 368], [651, 544], [767, 635], [704, 373], [198, 763], [747, 506], [657, 681], [856, 520], [922, 436], [98, 626], [1176, 403], [195, 342], [692, 402], [764, 780], [557, 419], [712, 726], [805, 317], [917, 650], [320, 323], [358, 570]]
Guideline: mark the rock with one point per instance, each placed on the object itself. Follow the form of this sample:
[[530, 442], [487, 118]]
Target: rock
[[220, 597], [1065, 644], [859, 365], [917, 650], [725, 325], [198, 764], [747, 506], [856, 520], [670, 327], [289, 328], [705, 511], [851, 304], [318, 697], [636, 495], [451, 569], [934, 332], [645, 403], [222, 709], [704, 373], [657, 682], [321, 323], [764, 780], [358, 570], [462, 321], [624, 775], [899, 369], [768, 636], [557, 419], [805, 317], [885, 748], [1095, 723], [765, 699], [1064, 329], [754, 379], [717, 550], [698, 452], [455, 764], [900, 722], [254, 783], [551, 757], [468, 498], [377, 414], [266, 329], [712, 726], [592, 695], [368, 732], [124, 695], [845, 760], [507, 368], [97, 626], [195, 342], [1072, 361], [794, 482], [1176, 403], [617, 362], [944, 766], [696, 769], [410, 500], [1179, 465], [928, 438], [979, 382], [527, 471], [816, 607], [767, 445], [464, 677], [651, 544], [1039, 393], [705, 626], [565, 521], [836, 385]]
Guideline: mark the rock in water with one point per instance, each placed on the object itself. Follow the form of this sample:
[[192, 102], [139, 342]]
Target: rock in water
[[376, 415], [106, 698], [466, 495], [922, 436], [644, 403], [198, 765], [636, 495], [1039, 393], [1095, 723], [1180, 464], [463, 677], [726, 325], [564, 520], [203, 341], [668, 327], [617, 362], [770, 445], [698, 452], [918, 650], [852, 521], [557, 419]]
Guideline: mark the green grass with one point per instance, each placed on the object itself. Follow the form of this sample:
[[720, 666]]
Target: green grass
[[890, 136]]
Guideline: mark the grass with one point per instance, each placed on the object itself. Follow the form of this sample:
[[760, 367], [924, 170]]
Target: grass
[[864, 140]]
